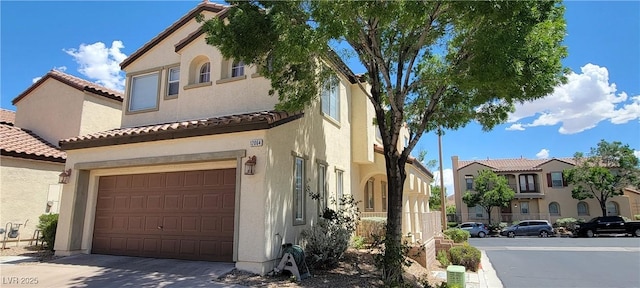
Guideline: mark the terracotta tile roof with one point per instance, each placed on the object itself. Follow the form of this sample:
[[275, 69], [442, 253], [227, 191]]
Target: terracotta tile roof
[[211, 126], [75, 82], [513, 165], [7, 117], [22, 143], [204, 6]]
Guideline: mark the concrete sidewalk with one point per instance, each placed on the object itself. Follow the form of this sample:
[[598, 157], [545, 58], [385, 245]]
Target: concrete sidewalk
[[485, 277]]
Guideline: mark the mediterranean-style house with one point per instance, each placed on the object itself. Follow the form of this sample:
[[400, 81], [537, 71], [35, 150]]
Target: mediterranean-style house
[[56, 106], [541, 192], [204, 168]]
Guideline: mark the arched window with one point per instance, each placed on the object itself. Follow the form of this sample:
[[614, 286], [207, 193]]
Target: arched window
[[612, 209], [554, 208], [205, 73], [237, 68], [583, 208]]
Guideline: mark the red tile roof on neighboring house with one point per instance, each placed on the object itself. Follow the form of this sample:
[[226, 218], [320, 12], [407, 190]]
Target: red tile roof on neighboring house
[[204, 6], [176, 130], [75, 82], [7, 117], [22, 143], [513, 165]]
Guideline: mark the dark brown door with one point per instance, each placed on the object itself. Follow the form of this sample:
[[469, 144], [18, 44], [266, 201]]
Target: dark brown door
[[181, 215]]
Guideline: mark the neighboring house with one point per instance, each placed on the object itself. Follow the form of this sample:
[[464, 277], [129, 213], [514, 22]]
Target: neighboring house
[[204, 168], [541, 192], [56, 106]]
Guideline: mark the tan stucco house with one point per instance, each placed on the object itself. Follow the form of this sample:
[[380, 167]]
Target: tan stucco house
[[541, 192], [204, 168], [56, 106]]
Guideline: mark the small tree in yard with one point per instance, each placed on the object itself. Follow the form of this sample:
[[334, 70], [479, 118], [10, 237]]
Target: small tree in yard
[[490, 190], [603, 173], [429, 64], [435, 200]]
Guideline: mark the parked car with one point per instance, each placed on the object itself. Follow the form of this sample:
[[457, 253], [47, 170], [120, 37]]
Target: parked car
[[540, 228], [608, 225], [476, 229]]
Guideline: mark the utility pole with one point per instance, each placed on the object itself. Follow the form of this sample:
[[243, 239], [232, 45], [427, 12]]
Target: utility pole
[[443, 195]]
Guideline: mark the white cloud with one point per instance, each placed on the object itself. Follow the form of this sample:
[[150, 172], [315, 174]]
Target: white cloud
[[586, 100], [637, 153], [100, 63], [34, 80], [543, 154], [448, 180], [61, 68]]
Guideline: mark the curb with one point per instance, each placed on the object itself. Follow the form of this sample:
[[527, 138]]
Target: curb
[[488, 276]]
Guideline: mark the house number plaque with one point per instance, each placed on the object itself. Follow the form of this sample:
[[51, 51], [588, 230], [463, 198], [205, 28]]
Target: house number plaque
[[256, 142]]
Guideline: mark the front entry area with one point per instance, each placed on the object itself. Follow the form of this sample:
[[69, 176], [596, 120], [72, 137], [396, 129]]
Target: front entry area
[[180, 215]]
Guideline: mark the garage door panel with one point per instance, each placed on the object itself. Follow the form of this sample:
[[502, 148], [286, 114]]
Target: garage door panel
[[184, 215]]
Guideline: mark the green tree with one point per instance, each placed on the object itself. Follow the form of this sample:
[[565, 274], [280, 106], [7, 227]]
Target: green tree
[[603, 173], [435, 201], [490, 191], [451, 209], [428, 64]]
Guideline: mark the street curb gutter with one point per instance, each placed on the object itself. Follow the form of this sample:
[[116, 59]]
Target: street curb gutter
[[488, 276]]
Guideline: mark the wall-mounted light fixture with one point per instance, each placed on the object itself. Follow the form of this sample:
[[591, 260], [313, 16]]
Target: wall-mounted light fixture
[[64, 176], [250, 166]]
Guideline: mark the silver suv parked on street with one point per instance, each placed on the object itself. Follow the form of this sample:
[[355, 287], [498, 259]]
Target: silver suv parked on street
[[540, 228]]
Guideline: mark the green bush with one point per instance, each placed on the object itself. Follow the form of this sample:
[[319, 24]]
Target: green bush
[[457, 235], [48, 225], [372, 227], [325, 243], [465, 255], [568, 223], [452, 224], [443, 258], [357, 242], [637, 217]]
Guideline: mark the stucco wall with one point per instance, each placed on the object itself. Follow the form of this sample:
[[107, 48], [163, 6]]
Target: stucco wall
[[99, 114], [53, 111], [25, 189]]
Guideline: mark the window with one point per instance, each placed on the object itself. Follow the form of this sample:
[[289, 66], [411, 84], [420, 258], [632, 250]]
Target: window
[[383, 193], [469, 180], [339, 186], [331, 98], [368, 195], [298, 192], [173, 81], [322, 187], [406, 141], [612, 209], [524, 207], [144, 92], [554, 208], [205, 73], [476, 211], [527, 183], [583, 208], [555, 179], [237, 68]]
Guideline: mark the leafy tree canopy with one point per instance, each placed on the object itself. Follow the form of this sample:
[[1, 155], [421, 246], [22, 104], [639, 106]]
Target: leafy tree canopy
[[490, 190], [603, 173]]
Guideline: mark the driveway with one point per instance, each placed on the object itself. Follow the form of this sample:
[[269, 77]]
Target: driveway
[[92, 270]]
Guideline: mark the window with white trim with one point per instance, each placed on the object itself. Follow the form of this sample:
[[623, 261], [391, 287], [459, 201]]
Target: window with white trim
[[173, 81], [330, 98], [554, 208], [468, 179], [237, 68], [368, 195], [524, 207], [339, 186], [322, 187], [205, 73], [583, 208], [556, 179], [144, 92], [298, 191]]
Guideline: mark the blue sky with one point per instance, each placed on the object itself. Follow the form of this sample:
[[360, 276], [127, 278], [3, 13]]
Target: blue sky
[[601, 101]]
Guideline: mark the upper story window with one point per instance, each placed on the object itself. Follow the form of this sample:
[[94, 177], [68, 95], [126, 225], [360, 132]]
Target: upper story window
[[205, 73], [469, 180], [237, 69], [173, 81], [330, 98], [555, 179], [144, 92], [527, 183]]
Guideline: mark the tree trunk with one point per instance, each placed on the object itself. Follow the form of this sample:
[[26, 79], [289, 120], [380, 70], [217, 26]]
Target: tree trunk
[[393, 257], [603, 207]]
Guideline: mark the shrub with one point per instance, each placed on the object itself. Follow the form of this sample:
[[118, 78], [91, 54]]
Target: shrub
[[443, 258], [637, 217], [452, 224], [568, 223], [371, 227], [357, 242], [48, 225], [465, 255], [325, 243], [457, 235]]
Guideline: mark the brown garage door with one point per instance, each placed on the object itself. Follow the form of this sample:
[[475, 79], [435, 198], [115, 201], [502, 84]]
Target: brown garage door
[[182, 215]]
